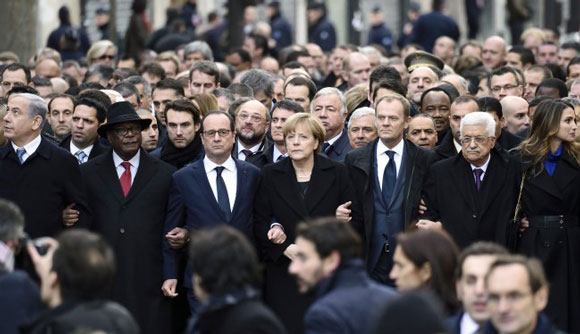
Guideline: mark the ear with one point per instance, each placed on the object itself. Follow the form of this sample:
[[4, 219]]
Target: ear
[[37, 122], [407, 120], [502, 122], [331, 263], [541, 298], [197, 126], [425, 272]]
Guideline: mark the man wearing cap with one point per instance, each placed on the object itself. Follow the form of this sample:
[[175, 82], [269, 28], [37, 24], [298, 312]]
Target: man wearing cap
[[127, 191]]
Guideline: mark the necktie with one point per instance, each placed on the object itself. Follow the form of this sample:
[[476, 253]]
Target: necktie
[[478, 172], [126, 178], [325, 147], [247, 153], [280, 157], [81, 157], [389, 177], [222, 191], [20, 153]]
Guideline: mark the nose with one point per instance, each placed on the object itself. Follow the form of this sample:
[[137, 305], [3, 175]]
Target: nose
[[179, 132], [322, 113], [61, 117], [360, 134], [422, 135]]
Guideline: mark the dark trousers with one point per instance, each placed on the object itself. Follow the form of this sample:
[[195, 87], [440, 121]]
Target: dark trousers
[[383, 269], [473, 13]]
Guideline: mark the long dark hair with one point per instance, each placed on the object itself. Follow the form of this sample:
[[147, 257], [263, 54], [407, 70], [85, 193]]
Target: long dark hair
[[545, 127], [438, 249]]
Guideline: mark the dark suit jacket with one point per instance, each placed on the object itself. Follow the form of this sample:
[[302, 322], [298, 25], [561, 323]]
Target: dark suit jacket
[[42, 187], [133, 226], [280, 199], [507, 141], [340, 148], [97, 150], [360, 164], [192, 205], [263, 146], [468, 215], [446, 148], [261, 159]]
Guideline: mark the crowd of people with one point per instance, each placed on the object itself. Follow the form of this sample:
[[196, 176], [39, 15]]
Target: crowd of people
[[285, 188]]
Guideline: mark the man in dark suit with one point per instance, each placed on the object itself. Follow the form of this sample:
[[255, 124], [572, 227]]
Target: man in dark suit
[[39, 177], [388, 175], [277, 150], [329, 106], [320, 30], [505, 139], [215, 190], [83, 142], [473, 195], [252, 120], [433, 25], [281, 29], [450, 145], [128, 192]]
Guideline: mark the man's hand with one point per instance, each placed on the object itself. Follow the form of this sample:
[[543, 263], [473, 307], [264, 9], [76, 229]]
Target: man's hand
[[422, 207], [427, 224], [42, 263], [291, 252], [276, 235], [343, 212], [177, 237], [70, 216], [169, 286]]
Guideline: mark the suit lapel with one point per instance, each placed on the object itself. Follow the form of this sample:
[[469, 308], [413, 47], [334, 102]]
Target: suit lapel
[[200, 177], [466, 182], [147, 169], [565, 173], [108, 174], [242, 188], [493, 181], [322, 178], [284, 182]]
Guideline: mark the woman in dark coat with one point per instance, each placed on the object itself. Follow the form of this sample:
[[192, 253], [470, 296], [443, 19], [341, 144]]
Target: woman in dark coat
[[306, 185], [551, 203]]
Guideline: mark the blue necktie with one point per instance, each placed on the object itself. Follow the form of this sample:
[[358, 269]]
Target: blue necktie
[[222, 191], [389, 178], [280, 157], [20, 153], [325, 147], [81, 156]]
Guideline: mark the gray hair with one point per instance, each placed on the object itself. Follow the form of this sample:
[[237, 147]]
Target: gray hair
[[479, 118], [219, 92], [139, 80], [259, 80], [360, 112], [573, 101], [330, 91], [36, 104], [11, 221], [198, 46]]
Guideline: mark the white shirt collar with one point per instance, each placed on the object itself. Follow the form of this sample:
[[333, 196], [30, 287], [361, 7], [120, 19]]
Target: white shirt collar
[[134, 161], [467, 324], [209, 165], [382, 148], [334, 139], [74, 149], [254, 149], [276, 154], [30, 147], [457, 145], [484, 167]]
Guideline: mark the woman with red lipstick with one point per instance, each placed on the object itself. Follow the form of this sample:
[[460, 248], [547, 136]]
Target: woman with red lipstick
[[550, 201]]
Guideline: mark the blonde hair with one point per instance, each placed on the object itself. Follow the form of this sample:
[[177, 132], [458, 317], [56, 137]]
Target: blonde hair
[[355, 96], [98, 49], [311, 122], [172, 57], [533, 32], [205, 103]]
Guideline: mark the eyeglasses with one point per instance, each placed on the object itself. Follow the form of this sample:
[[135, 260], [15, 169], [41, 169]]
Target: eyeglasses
[[103, 57], [221, 133], [254, 118], [498, 89], [477, 139], [125, 131]]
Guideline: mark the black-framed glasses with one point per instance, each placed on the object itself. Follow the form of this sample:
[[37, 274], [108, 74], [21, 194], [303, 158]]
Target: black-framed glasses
[[103, 57], [221, 133]]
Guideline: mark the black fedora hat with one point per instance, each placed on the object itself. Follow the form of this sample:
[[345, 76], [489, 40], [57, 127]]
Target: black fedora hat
[[122, 112]]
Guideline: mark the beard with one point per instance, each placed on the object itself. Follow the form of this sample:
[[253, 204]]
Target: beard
[[250, 140]]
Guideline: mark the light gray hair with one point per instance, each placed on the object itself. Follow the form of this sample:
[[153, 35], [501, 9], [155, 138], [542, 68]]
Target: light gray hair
[[36, 104], [479, 118], [330, 91], [198, 46], [361, 112], [259, 80], [139, 80]]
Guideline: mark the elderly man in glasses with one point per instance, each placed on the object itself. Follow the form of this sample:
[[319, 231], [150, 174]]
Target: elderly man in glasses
[[252, 121], [472, 195]]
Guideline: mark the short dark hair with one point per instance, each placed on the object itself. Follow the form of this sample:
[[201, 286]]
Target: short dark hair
[[90, 85], [219, 92], [300, 80], [260, 42], [330, 234], [61, 96], [184, 105], [99, 107], [557, 71], [491, 104], [219, 112], [571, 45], [172, 84], [103, 71], [97, 95], [391, 84], [501, 71], [41, 81], [574, 61], [234, 106], [288, 105], [436, 89], [15, 67], [293, 65], [223, 259], [526, 55], [476, 249], [84, 264], [537, 100], [556, 84], [244, 55], [294, 55], [153, 68], [241, 89], [383, 72], [11, 221], [533, 267], [206, 67]]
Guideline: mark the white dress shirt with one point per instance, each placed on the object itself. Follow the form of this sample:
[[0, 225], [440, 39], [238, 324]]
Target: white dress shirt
[[30, 148], [229, 174], [334, 139], [242, 156], [383, 158], [276, 154], [74, 150], [483, 168], [457, 146], [467, 324], [134, 165]]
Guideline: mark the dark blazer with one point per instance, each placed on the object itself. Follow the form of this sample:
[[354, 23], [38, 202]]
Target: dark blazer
[[446, 148], [192, 205], [323, 34], [431, 26], [340, 148], [263, 146], [507, 141], [453, 323], [19, 300], [280, 199], [360, 165], [42, 187], [468, 215], [133, 226], [557, 248], [97, 150], [261, 159], [248, 317]]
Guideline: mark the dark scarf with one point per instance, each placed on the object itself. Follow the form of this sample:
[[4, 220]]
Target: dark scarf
[[180, 157]]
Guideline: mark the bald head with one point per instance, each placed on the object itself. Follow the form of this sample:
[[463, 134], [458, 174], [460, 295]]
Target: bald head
[[47, 68], [356, 68], [494, 52], [515, 112]]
